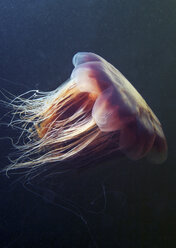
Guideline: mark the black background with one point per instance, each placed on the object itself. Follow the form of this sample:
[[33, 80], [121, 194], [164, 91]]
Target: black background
[[116, 203]]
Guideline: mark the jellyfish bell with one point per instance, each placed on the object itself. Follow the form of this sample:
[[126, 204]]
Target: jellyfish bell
[[96, 112], [120, 107]]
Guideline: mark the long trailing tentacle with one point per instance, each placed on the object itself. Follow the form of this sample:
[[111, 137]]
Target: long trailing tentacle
[[55, 126]]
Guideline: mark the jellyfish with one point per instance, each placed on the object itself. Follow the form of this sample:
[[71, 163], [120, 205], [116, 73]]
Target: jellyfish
[[96, 112]]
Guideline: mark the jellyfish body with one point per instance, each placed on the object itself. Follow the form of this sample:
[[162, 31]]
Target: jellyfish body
[[97, 111], [120, 107]]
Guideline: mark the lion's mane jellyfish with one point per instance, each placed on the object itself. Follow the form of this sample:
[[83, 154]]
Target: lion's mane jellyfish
[[94, 113]]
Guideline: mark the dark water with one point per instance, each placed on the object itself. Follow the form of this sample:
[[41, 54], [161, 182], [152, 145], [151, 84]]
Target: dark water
[[117, 203]]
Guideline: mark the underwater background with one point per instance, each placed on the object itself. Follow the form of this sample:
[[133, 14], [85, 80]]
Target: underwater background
[[116, 202]]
